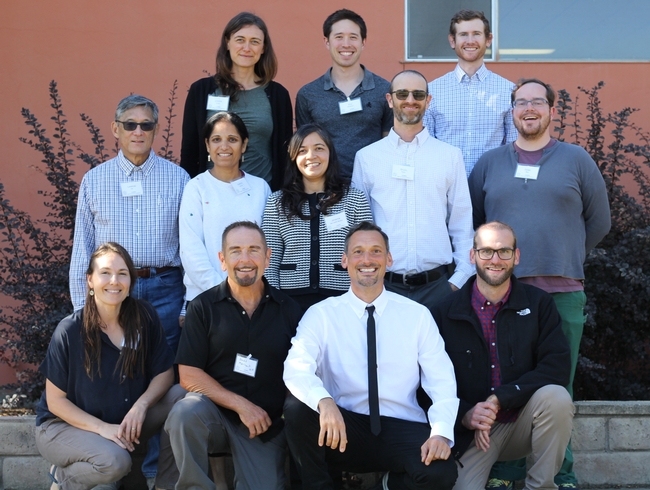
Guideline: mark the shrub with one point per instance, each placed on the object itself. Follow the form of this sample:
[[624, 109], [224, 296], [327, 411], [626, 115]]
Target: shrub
[[35, 253]]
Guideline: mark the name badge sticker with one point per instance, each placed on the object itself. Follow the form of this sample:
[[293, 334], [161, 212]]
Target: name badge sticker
[[130, 189], [336, 221], [218, 102], [246, 365], [403, 172], [527, 171], [350, 105], [240, 185]]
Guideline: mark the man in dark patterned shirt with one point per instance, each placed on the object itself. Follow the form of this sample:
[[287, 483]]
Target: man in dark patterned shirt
[[511, 361]]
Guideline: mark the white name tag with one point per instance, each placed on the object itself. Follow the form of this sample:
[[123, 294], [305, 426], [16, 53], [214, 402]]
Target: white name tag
[[527, 171], [218, 102], [240, 186], [336, 221], [246, 365], [130, 189], [403, 172], [350, 105]]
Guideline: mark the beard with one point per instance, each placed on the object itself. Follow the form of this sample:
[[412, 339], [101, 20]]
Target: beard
[[495, 281], [404, 119], [245, 281], [533, 133]]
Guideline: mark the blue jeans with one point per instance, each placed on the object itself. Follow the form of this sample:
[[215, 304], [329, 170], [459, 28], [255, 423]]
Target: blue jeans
[[165, 292]]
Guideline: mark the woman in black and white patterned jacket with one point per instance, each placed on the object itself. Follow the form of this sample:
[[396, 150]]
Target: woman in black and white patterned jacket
[[306, 222]]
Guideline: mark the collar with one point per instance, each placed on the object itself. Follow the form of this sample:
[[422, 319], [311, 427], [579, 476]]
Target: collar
[[359, 306], [461, 300], [128, 168], [368, 82], [480, 75], [482, 300], [222, 292], [395, 141]]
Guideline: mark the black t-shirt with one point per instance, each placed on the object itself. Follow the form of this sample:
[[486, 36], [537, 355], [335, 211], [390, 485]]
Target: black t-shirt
[[103, 397], [217, 328]]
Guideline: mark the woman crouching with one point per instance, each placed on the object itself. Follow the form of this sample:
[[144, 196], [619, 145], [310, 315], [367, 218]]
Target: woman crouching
[[108, 370]]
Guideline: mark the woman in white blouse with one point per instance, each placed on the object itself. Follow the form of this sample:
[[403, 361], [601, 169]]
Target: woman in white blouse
[[214, 199], [306, 221]]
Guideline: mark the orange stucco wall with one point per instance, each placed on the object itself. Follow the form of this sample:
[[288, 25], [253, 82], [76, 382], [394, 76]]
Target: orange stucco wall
[[98, 52]]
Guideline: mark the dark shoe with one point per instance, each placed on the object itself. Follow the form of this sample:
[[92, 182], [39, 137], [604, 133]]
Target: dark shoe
[[567, 486]]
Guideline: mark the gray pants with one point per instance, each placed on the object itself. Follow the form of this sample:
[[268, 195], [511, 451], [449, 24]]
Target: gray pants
[[85, 459], [542, 430], [197, 428]]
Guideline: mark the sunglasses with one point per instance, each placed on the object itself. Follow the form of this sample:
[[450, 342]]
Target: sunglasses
[[404, 94], [131, 126]]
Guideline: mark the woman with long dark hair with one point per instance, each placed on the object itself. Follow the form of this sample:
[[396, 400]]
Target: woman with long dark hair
[[243, 83], [306, 222], [108, 373]]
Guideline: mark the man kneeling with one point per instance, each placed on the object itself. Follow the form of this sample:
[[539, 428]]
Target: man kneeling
[[353, 371], [511, 361], [235, 339]]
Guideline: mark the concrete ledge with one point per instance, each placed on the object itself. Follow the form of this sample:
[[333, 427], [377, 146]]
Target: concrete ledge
[[611, 443], [611, 446]]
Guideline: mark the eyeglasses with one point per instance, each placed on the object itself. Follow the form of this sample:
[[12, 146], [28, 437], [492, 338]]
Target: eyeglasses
[[130, 125], [404, 94], [521, 103], [488, 253]]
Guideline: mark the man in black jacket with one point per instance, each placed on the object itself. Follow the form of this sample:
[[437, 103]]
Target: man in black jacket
[[511, 361]]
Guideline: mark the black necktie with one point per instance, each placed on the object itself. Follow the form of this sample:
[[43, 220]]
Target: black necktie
[[373, 391]]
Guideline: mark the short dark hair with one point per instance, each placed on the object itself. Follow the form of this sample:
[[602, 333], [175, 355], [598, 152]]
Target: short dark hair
[[344, 14], [365, 226], [413, 72], [463, 15], [242, 224], [550, 93], [496, 225], [135, 100], [266, 67]]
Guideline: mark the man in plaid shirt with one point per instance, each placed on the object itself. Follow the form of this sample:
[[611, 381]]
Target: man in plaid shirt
[[511, 361]]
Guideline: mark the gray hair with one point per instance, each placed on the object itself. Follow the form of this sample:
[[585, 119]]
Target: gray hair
[[135, 100]]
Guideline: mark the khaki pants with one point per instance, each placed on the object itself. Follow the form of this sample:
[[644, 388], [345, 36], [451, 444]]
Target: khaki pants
[[542, 430]]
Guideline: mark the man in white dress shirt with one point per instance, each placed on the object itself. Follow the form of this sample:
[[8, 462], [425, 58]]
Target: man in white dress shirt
[[353, 370], [417, 190]]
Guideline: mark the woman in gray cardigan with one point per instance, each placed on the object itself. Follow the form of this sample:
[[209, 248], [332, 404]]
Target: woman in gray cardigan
[[306, 222]]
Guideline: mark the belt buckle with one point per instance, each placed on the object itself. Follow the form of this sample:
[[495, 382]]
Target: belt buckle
[[406, 277]]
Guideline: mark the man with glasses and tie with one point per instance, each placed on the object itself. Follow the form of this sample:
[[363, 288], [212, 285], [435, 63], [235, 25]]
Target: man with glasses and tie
[[133, 199], [353, 370], [554, 197], [511, 362], [417, 190]]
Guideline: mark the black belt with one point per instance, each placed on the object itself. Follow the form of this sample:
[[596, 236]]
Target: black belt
[[419, 278], [145, 272]]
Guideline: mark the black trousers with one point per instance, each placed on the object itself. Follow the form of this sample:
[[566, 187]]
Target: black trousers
[[396, 449]]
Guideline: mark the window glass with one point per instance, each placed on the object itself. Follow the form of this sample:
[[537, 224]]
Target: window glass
[[574, 30]]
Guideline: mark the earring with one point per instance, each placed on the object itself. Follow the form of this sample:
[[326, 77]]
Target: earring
[[208, 157], [91, 292]]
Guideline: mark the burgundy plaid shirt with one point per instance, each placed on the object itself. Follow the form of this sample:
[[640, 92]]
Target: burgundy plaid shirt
[[487, 314]]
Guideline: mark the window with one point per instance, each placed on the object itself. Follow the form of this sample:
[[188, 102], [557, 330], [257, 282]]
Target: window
[[527, 30]]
